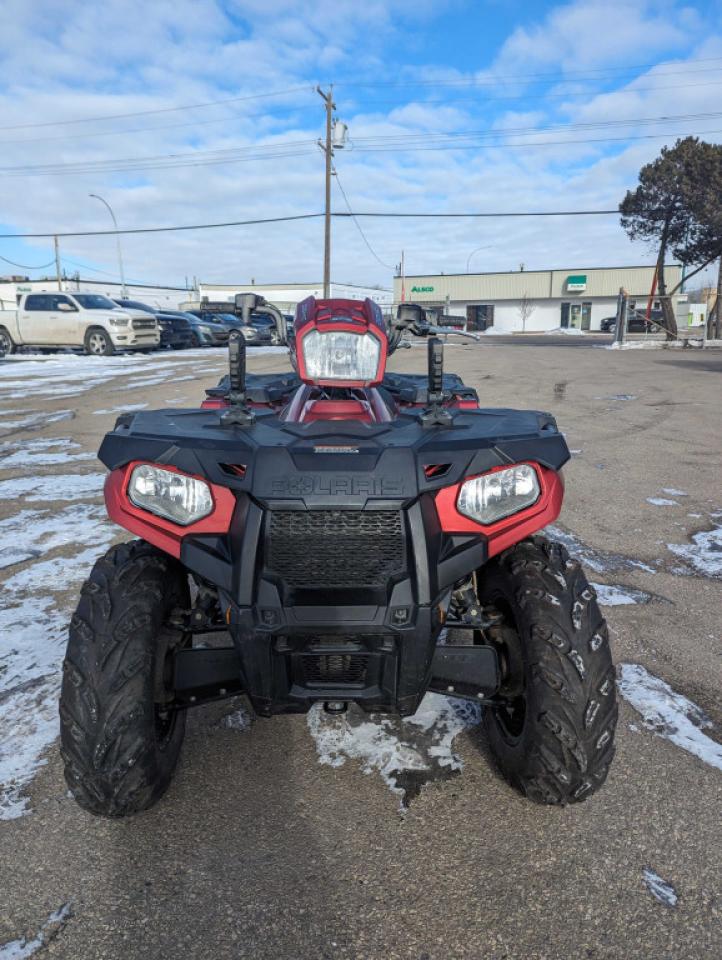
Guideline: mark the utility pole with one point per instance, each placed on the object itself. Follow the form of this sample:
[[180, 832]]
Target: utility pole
[[328, 150], [57, 263]]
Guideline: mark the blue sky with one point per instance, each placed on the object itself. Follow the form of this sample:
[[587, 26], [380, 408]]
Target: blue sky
[[451, 106]]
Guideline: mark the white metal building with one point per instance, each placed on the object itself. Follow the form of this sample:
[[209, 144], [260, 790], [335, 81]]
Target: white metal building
[[283, 295], [534, 300], [154, 296], [287, 295]]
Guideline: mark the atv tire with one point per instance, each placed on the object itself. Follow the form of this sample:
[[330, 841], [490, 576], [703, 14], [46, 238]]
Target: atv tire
[[119, 745], [554, 738]]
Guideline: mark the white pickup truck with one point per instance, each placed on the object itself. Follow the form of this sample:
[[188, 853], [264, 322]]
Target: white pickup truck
[[86, 320]]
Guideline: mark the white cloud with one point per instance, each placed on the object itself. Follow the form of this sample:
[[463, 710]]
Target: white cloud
[[69, 60]]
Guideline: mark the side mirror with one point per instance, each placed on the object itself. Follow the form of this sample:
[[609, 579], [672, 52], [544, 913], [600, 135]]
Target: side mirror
[[66, 307]]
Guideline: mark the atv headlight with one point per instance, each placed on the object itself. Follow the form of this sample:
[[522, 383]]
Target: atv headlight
[[171, 495], [499, 494], [339, 355]]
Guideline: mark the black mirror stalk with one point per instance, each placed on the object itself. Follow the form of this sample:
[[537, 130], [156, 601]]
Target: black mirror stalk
[[237, 413], [435, 415]]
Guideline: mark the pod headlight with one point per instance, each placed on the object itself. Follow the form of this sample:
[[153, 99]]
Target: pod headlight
[[499, 494], [175, 496], [341, 355]]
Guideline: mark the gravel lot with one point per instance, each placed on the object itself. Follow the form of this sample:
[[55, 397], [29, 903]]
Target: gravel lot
[[259, 849]]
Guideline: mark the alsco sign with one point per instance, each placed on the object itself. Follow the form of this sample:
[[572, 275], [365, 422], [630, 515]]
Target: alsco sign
[[422, 289]]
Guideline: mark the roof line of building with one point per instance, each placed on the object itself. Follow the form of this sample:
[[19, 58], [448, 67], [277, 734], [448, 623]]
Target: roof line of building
[[516, 273], [315, 283]]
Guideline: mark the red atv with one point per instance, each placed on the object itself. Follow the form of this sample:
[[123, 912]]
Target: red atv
[[354, 536]]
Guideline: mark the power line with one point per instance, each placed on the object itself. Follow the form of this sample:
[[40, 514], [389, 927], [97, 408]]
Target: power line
[[309, 216], [291, 148], [358, 225], [24, 266], [134, 230], [599, 74], [362, 104], [570, 95], [146, 113]]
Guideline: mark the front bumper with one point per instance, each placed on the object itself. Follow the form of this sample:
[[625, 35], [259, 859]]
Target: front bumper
[[308, 627]]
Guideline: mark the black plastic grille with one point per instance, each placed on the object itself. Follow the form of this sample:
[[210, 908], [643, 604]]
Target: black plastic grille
[[336, 548], [335, 668]]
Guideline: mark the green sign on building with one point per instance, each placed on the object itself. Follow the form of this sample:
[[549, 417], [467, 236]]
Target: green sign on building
[[578, 282], [422, 289]]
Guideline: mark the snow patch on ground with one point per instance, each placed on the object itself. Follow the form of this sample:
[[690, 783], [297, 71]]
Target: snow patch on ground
[[34, 421], [405, 752], [673, 493], [704, 554], [659, 888], [616, 594], [662, 502], [598, 560], [669, 714], [130, 408], [40, 453], [22, 948], [33, 632], [567, 331], [69, 486]]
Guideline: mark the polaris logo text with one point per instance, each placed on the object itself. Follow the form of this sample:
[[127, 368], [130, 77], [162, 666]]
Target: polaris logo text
[[337, 487]]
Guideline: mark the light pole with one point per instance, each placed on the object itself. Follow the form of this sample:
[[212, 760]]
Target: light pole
[[123, 288], [487, 246]]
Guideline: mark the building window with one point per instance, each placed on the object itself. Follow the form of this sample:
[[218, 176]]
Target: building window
[[479, 316]]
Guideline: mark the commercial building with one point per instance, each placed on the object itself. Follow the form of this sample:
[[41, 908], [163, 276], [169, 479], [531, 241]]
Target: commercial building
[[536, 300]]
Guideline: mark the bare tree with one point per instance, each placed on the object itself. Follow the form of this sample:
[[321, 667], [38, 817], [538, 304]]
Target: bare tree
[[526, 309]]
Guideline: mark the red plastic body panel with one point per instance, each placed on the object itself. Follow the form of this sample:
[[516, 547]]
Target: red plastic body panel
[[164, 534], [505, 533]]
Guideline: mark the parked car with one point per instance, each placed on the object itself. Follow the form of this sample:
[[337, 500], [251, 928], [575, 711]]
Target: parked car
[[254, 334], [204, 333], [83, 320], [175, 332], [636, 323]]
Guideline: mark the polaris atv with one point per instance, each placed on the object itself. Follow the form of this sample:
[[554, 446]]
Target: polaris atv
[[349, 536]]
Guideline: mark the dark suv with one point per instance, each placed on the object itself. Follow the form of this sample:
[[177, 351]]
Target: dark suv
[[175, 331], [204, 333]]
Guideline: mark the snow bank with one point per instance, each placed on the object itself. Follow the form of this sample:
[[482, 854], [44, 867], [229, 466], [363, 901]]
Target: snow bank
[[566, 331]]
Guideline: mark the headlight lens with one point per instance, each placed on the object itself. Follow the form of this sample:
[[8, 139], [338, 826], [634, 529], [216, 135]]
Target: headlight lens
[[204, 329], [338, 355], [119, 321], [500, 494], [171, 495]]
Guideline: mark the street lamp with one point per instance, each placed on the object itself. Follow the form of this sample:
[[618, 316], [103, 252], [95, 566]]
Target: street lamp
[[123, 288], [488, 246]]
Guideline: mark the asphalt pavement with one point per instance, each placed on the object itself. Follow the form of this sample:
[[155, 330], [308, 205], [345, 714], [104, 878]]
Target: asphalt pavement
[[260, 851]]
